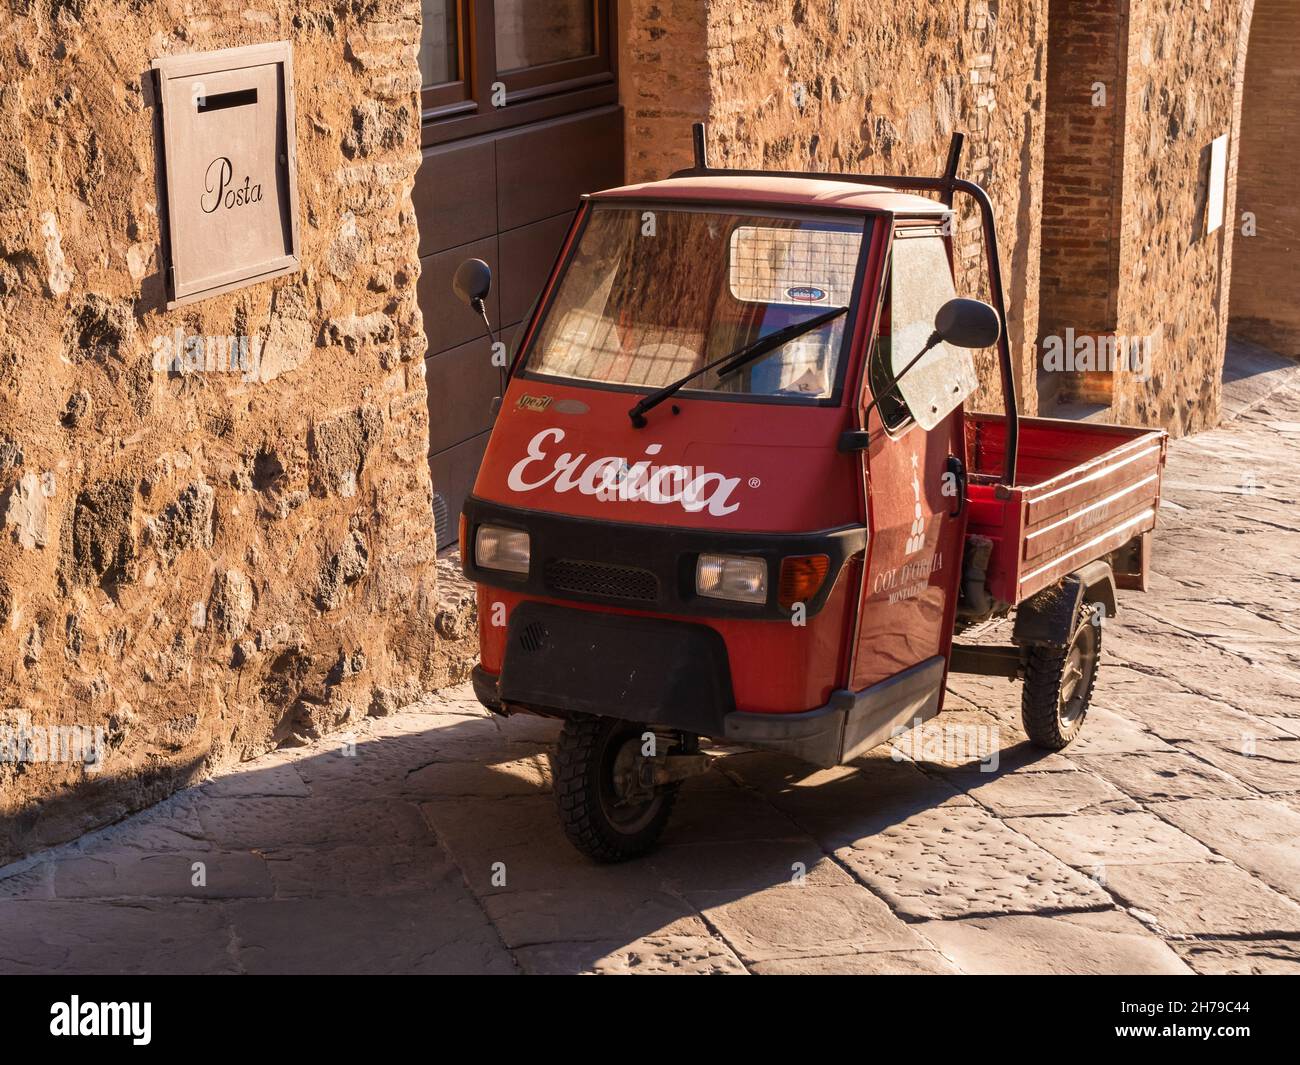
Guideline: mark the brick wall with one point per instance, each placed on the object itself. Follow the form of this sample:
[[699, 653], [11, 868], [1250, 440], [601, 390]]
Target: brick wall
[[1106, 200], [1079, 287], [663, 82], [1264, 306]]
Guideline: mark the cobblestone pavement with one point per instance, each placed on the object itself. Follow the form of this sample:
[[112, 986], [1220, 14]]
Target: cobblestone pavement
[[1167, 839]]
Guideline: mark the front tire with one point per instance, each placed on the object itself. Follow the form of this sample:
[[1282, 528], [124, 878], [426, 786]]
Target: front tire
[[606, 812], [1059, 682]]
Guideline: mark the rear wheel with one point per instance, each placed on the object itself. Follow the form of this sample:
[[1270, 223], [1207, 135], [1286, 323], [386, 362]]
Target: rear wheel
[[607, 807], [1059, 682]]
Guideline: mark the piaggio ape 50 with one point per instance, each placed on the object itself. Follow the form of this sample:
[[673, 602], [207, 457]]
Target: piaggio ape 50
[[732, 491]]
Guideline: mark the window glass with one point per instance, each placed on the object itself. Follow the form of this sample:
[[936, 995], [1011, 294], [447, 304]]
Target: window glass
[[889, 403], [921, 283], [439, 45], [530, 33], [650, 296]]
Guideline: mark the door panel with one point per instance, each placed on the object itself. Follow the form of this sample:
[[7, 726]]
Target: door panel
[[527, 255], [543, 169], [506, 198], [448, 323], [917, 523], [455, 195], [465, 372], [915, 553]]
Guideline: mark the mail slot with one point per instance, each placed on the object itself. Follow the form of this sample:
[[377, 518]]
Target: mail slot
[[229, 168]]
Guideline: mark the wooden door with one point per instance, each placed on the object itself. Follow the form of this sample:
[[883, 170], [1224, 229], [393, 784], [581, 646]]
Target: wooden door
[[501, 183]]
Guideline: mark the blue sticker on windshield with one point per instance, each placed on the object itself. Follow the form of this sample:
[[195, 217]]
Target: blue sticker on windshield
[[806, 294]]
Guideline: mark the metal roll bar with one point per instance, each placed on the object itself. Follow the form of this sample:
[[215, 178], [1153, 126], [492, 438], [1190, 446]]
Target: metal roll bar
[[945, 186]]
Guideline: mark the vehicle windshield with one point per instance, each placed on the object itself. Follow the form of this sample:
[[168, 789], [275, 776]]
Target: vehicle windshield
[[654, 293]]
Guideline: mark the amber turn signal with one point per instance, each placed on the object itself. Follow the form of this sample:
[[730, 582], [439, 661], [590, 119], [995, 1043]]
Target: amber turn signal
[[801, 577]]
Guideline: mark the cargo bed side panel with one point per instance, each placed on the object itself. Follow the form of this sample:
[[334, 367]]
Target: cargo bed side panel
[[1088, 489], [1087, 513]]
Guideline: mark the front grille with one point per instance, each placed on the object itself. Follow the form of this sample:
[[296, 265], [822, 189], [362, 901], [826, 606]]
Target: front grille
[[602, 580]]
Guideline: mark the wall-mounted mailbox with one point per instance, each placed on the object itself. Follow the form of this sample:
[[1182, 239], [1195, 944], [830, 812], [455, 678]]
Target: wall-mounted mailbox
[[229, 167]]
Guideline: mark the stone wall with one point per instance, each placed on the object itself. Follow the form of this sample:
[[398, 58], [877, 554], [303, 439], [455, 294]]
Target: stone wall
[[1264, 306], [205, 564], [1109, 210], [803, 85], [1182, 72]]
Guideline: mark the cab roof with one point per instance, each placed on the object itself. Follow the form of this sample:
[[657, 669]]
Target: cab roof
[[810, 191]]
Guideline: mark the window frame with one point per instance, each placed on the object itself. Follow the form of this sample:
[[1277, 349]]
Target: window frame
[[903, 229], [464, 108], [449, 96]]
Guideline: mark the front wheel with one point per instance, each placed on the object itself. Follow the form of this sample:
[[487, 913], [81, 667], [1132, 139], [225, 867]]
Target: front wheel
[[607, 807], [1059, 683]]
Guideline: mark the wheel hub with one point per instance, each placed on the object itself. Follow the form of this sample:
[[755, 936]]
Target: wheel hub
[[1076, 676], [629, 775]]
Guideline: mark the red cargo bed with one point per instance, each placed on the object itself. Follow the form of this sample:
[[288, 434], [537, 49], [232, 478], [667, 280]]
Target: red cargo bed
[[1083, 490]]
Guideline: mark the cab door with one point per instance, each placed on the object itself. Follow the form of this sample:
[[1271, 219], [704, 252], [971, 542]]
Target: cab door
[[915, 478]]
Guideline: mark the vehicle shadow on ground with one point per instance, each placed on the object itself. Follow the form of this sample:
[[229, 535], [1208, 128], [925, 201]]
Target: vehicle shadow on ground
[[428, 842]]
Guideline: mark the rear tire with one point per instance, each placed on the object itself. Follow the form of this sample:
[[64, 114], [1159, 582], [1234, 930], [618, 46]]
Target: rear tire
[[605, 814], [1059, 682]]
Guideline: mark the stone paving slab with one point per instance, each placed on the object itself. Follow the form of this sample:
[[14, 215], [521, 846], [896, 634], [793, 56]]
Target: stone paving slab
[[427, 932], [1242, 957], [133, 874], [810, 920], [1262, 836], [1020, 794], [652, 955], [1092, 841], [1158, 776], [100, 937], [1167, 839], [533, 918], [958, 862], [1081, 943], [1205, 899], [877, 963]]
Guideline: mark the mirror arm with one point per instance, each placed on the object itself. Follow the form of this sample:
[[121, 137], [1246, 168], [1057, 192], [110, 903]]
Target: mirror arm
[[480, 307]]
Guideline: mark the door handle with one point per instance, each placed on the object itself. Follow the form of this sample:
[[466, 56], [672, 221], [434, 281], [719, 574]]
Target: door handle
[[957, 469]]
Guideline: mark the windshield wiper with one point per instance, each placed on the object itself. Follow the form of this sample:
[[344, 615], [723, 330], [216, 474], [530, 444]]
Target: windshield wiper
[[733, 361]]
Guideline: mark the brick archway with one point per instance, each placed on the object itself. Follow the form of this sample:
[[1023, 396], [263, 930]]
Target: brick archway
[[1266, 266]]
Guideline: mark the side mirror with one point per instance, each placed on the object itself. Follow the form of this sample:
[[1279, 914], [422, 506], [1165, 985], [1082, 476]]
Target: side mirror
[[966, 323], [472, 283]]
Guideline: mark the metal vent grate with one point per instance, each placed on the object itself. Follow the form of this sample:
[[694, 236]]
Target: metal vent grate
[[602, 579], [442, 533], [533, 637]]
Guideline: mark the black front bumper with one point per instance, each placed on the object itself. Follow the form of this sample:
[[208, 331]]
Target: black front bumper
[[676, 674], [650, 670]]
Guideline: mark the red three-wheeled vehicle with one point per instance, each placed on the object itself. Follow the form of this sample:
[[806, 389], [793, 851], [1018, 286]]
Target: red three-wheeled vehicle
[[733, 491]]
